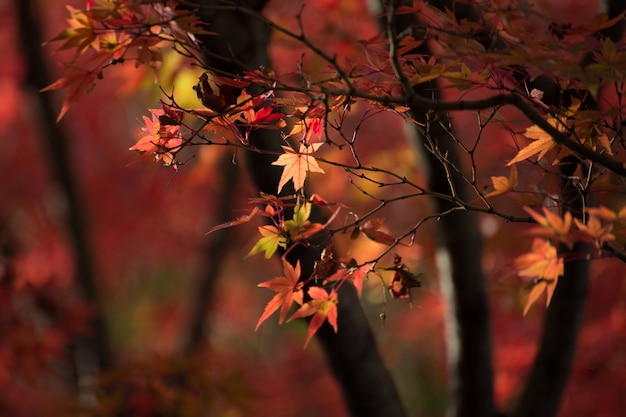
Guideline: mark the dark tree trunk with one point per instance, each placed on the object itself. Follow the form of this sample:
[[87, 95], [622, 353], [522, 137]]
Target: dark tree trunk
[[352, 353]]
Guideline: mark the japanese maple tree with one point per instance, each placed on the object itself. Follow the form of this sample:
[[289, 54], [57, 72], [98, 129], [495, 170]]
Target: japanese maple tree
[[481, 89]]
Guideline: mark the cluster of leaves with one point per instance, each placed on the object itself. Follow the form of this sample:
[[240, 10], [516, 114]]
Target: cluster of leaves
[[382, 78], [329, 273], [116, 31]]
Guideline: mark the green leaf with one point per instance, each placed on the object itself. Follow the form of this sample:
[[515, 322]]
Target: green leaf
[[269, 243]]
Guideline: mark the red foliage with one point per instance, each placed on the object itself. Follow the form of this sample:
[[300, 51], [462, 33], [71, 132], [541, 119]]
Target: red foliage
[[147, 227]]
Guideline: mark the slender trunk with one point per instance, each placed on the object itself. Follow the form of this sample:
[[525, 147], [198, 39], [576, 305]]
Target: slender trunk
[[214, 253], [352, 353], [91, 351], [459, 257]]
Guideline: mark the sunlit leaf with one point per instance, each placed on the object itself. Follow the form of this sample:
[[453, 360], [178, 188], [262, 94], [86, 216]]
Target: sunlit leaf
[[503, 185], [288, 290], [297, 165], [541, 145], [323, 307], [541, 263], [552, 225], [272, 239]]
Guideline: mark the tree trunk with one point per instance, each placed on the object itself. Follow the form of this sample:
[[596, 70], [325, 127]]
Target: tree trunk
[[352, 353]]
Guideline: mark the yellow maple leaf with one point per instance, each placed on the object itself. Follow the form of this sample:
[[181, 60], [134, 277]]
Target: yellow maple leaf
[[503, 185], [272, 239], [543, 141], [297, 164], [541, 145]]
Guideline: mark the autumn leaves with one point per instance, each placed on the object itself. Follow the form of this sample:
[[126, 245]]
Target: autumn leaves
[[230, 107]]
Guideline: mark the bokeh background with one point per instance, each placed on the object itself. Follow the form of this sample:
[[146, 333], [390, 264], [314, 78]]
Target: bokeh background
[[146, 228]]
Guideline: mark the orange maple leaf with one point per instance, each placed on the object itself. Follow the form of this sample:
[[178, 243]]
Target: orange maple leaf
[[288, 290], [343, 271], [542, 144], [539, 287], [297, 164], [323, 306], [543, 141], [598, 232], [607, 214], [544, 266], [552, 225], [541, 262], [503, 185]]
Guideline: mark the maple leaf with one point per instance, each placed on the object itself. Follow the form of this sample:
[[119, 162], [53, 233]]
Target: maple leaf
[[263, 116], [114, 44], [543, 141], [544, 266], [607, 214], [541, 262], [542, 144], [297, 164], [159, 139], [552, 225], [323, 306], [332, 270], [272, 239], [503, 185], [596, 230], [300, 227], [288, 290], [310, 129], [81, 34], [80, 80], [371, 229], [539, 287], [358, 276]]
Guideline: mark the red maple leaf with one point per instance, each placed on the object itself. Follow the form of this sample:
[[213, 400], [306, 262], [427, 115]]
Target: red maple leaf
[[288, 290], [159, 139], [323, 306], [80, 80]]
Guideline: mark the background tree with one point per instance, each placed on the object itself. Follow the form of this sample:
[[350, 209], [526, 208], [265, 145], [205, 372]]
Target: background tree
[[483, 61]]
